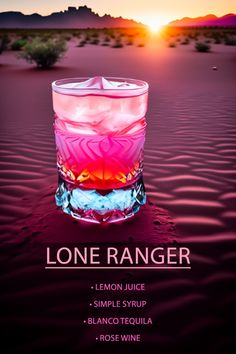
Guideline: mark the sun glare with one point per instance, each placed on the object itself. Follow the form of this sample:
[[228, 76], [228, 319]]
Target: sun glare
[[155, 25]]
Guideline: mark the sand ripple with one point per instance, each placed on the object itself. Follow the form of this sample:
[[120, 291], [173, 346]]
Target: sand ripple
[[190, 171]]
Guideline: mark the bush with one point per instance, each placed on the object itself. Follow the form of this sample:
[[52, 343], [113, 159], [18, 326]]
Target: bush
[[44, 53], [67, 37], [95, 35], [185, 41], [141, 45], [81, 44], [94, 41], [202, 47], [18, 44], [172, 45], [230, 41], [24, 35], [217, 41], [4, 40], [130, 42], [46, 36], [117, 44]]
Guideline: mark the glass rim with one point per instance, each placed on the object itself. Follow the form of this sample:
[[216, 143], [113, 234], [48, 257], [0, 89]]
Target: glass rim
[[134, 91]]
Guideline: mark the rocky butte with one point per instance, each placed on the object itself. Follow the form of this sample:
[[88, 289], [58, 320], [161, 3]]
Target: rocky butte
[[81, 17]]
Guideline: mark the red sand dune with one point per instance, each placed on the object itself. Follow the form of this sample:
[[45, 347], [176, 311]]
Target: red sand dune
[[190, 171]]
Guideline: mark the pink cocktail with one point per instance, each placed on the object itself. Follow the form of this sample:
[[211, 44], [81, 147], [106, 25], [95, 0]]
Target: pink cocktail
[[100, 131]]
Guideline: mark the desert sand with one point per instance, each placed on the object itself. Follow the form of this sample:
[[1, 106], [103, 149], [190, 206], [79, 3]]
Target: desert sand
[[189, 174]]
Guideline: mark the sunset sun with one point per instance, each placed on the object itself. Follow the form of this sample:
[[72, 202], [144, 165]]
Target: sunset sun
[[156, 24]]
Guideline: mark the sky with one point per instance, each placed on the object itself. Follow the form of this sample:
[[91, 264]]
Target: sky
[[150, 12]]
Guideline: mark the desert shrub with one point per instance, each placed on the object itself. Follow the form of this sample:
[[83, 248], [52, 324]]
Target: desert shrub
[[105, 44], [95, 35], [67, 37], [202, 47], [230, 41], [18, 44], [217, 41], [140, 45], [46, 36], [81, 43], [76, 34], [44, 53], [24, 35], [171, 45], [94, 41], [207, 41], [4, 40], [107, 39], [130, 42], [185, 41], [117, 44]]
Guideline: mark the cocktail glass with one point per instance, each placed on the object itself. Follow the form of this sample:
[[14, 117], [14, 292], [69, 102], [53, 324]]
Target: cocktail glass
[[100, 132]]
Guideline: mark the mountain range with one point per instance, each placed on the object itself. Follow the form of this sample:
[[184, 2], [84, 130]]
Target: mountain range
[[84, 17], [81, 17], [228, 20]]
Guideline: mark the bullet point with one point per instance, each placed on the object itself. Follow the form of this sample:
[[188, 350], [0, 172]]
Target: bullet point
[[91, 287], [97, 338], [90, 304], [84, 321]]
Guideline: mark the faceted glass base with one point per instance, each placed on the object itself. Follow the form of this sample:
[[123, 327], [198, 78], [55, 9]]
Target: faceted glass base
[[102, 206]]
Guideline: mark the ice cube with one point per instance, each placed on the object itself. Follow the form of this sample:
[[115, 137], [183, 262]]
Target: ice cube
[[97, 82], [121, 199], [83, 199]]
